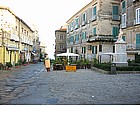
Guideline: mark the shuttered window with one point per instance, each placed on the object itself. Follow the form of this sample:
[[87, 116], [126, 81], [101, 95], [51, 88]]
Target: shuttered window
[[115, 31], [83, 50], [138, 16], [138, 41], [94, 10], [124, 38], [115, 12], [94, 31], [83, 35], [123, 20], [84, 17]]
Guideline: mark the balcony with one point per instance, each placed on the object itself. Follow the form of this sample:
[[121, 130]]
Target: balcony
[[115, 17], [12, 37], [71, 29], [76, 27], [84, 23], [106, 38], [94, 17]]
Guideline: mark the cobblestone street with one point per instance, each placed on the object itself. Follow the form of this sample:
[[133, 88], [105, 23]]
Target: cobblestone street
[[34, 85]]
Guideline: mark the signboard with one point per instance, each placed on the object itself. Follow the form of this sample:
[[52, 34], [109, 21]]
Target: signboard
[[47, 63], [70, 68]]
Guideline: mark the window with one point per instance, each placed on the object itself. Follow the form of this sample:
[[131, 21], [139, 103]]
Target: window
[[71, 39], [76, 23], [100, 48], [123, 20], [72, 25], [94, 13], [84, 17], [61, 37], [113, 49], [138, 16], [123, 6], [68, 29], [83, 35], [92, 50], [72, 50], [115, 31], [83, 50], [137, 41], [94, 31], [124, 38], [77, 37], [115, 13]]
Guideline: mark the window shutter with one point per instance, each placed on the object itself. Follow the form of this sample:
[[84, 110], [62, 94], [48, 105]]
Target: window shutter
[[123, 4], [94, 10], [94, 31], [137, 40], [115, 31], [115, 10]]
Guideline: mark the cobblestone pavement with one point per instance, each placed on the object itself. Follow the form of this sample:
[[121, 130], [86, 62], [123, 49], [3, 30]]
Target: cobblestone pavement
[[34, 85]]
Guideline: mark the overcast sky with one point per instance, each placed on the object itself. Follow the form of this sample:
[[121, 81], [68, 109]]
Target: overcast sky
[[47, 15]]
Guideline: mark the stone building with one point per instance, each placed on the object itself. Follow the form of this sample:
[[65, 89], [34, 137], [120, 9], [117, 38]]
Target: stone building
[[130, 23], [43, 50], [16, 38], [94, 29], [60, 41]]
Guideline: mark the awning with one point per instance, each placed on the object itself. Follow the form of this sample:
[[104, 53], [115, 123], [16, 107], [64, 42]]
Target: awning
[[108, 53], [67, 54], [12, 48]]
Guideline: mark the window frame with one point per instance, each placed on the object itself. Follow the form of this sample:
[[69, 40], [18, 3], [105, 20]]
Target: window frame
[[138, 16]]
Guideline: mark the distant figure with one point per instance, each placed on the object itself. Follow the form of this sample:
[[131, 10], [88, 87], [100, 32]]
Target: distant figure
[[120, 34]]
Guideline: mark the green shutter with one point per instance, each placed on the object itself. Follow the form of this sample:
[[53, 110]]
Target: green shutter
[[83, 35], [92, 49], [137, 40], [76, 20], [123, 37], [94, 31], [94, 10], [115, 31], [123, 4], [115, 10]]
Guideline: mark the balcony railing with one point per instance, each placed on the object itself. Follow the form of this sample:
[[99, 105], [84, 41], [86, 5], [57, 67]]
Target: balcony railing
[[109, 38], [94, 17], [115, 17]]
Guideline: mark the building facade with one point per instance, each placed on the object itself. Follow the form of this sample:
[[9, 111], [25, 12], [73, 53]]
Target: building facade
[[16, 38], [94, 29], [130, 23], [60, 41], [43, 50]]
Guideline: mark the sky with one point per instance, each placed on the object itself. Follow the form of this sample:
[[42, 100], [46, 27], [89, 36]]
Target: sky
[[47, 15]]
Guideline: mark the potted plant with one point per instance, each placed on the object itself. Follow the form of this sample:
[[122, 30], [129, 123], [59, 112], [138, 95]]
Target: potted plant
[[24, 62], [16, 65], [9, 65]]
